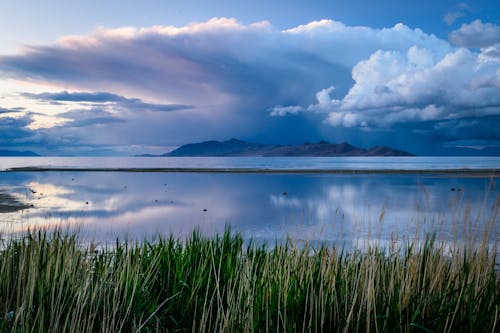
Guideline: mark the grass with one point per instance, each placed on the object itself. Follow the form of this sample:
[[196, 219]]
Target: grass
[[50, 282]]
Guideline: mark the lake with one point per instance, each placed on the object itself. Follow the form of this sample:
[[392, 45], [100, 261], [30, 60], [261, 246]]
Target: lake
[[345, 209], [298, 163]]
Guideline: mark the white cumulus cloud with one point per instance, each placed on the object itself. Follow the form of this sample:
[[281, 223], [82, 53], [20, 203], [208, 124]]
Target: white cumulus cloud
[[417, 86], [476, 34], [285, 110]]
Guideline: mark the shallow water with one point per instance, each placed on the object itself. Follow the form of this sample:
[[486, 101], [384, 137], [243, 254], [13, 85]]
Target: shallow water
[[333, 208]]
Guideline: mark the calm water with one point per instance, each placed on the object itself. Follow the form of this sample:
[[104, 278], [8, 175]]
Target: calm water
[[266, 207], [341, 163]]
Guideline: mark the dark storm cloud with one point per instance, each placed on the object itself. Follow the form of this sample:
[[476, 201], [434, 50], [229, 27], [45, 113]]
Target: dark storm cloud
[[322, 79], [83, 118], [215, 62], [13, 131], [99, 97], [133, 104]]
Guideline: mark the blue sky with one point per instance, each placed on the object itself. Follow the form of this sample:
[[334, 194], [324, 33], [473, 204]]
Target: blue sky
[[126, 77]]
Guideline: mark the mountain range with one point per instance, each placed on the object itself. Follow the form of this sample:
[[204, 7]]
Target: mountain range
[[235, 147]]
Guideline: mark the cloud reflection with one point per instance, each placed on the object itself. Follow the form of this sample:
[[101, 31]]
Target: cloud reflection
[[332, 208]]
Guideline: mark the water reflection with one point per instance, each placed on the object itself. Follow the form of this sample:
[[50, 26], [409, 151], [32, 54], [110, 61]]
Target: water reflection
[[265, 207]]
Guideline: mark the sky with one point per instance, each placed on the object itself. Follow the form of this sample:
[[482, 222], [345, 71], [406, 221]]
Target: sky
[[131, 77]]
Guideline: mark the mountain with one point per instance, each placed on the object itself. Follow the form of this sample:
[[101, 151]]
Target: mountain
[[236, 147], [17, 153]]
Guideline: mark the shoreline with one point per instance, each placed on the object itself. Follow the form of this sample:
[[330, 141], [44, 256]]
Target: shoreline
[[463, 172]]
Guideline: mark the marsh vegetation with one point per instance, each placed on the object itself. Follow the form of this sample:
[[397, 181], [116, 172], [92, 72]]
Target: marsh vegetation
[[50, 281]]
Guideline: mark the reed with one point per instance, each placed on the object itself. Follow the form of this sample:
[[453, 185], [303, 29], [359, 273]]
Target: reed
[[52, 282]]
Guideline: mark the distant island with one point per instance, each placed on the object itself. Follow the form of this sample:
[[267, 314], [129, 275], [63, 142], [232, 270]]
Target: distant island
[[235, 147], [17, 153]]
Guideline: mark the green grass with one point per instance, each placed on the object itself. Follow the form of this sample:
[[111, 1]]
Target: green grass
[[50, 282]]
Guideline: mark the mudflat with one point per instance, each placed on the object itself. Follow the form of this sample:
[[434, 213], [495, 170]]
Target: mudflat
[[9, 203]]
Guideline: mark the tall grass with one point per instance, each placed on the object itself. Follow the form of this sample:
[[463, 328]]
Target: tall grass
[[49, 282]]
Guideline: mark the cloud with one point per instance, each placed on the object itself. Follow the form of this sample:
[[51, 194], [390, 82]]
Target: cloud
[[464, 6], [181, 64], [285, 110], [417, 86], [66, 96], [233, 79], [134, 104], [325, 102], [83, 118], [490, 53], [476, 34], [474, 144], [451, 17], [12, 110], [462, 9], [14, 130], [218, 62]]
